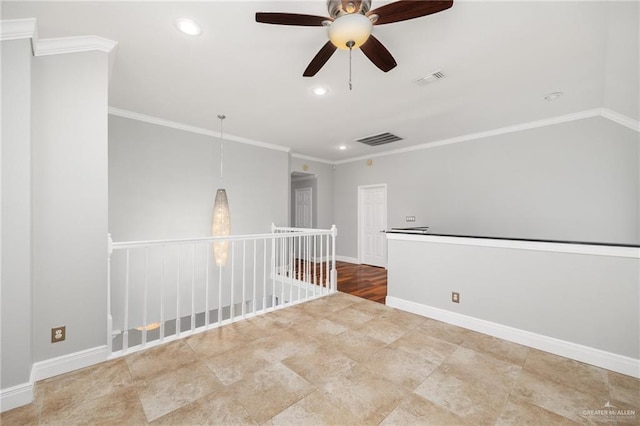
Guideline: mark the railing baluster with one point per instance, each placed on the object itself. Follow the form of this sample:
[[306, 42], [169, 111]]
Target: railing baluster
[[327, 276], [273, 272], [291, 268], [334, 273], [306, 290], [193, 287], [109, 313], [206, 287], [315, 261], [162, 294], [144, 299], [282, 271], [244, 274], [253, 296], [264, 276], [220, 294], [178, 326], [322, 259], [125, 326], [232, 309]]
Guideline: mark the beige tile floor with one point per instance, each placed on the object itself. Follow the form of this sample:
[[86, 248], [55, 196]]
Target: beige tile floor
[[337, 360]]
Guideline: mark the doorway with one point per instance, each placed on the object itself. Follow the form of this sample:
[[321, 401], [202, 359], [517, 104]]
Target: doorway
[[303, 200], [372, 221]]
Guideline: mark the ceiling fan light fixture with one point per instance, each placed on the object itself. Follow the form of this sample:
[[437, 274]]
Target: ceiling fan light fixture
[[354, 28]]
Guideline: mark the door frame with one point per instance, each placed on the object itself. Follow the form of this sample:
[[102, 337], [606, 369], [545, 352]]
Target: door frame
[[360, 221]]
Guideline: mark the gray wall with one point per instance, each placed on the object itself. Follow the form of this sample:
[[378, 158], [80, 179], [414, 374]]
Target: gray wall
[[324, 179], [584, 299], [16, 213], [69, 227], [162, 183], [571, 181]]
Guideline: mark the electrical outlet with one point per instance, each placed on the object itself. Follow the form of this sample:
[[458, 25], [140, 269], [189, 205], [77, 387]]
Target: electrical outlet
[[455, 297], [58, 334], [410, 218]]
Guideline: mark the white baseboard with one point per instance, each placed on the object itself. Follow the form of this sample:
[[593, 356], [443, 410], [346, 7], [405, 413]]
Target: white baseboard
[[347, 259], [66, 363], [599, 358], [20, 395], [15, 396]]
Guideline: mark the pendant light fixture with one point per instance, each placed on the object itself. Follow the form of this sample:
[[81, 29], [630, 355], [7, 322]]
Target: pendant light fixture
[[221, 221]]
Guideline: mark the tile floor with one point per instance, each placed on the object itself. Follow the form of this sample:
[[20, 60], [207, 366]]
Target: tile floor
[[338, 360]]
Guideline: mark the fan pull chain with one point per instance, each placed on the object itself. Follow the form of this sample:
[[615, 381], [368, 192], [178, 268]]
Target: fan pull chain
[[350, 45]]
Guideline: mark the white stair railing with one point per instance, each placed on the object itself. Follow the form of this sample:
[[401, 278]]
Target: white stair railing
[[162, 290]]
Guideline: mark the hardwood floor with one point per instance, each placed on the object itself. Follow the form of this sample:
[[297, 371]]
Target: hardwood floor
[[368, 282]]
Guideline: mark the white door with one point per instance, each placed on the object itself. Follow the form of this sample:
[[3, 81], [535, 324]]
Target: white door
[[372, 243], [304, 212]]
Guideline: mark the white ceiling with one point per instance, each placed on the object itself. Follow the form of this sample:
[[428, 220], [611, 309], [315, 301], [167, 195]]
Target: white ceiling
[[500, 59]]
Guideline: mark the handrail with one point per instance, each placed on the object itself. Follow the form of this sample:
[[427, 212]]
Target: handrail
[[177, 241]]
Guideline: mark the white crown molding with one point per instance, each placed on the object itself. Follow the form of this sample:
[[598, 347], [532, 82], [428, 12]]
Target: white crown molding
[[596, 112], [610, 361], [17, 29], [310, 158], [480, 135], [57, 46], [192, 129], [621, 119]]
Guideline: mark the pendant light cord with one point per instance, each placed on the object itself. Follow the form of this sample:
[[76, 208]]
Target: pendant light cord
[[221, 117]]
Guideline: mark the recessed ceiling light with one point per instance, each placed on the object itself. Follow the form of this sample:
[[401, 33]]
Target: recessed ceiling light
[[188, 26], [343, 147], [320, 91], [553, 96]]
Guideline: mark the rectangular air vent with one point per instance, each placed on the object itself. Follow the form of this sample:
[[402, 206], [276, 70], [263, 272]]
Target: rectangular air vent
[[380, 139]]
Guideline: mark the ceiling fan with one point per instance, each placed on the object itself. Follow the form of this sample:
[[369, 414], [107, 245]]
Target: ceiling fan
[[349, 26]]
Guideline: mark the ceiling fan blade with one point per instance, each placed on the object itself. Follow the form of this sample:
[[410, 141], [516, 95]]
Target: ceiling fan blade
[[378, 54], [319, 60], [408, 9], [291, 19]]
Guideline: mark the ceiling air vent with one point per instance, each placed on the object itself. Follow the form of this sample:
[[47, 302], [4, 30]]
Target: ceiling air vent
[[430, 78], [381, 139]]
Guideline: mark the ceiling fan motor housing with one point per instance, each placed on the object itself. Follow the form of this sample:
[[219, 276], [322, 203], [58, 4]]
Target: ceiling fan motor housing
[[336, 8]]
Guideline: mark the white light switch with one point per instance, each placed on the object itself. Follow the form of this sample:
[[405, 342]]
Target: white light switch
[[411, 219]]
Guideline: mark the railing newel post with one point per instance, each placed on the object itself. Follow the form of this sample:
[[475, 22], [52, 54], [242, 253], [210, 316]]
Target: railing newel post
[[334, 273]]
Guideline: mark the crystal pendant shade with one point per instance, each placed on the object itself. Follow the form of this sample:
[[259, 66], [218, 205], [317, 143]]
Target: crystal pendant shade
[[221, 226]]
